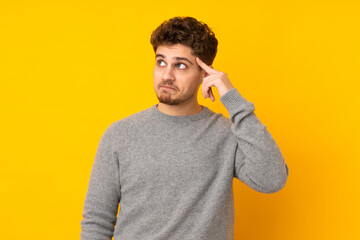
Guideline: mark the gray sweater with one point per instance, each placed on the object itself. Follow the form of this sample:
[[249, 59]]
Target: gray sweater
[[174, 174]]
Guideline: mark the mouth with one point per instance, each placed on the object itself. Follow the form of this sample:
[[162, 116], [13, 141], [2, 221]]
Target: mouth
[[168, 87]]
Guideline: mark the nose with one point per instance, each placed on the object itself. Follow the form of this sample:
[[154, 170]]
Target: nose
[[168, 74]]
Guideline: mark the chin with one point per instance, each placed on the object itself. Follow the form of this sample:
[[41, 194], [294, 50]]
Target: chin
[[169, 101]]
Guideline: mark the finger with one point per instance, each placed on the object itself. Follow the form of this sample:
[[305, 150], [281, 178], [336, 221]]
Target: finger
[[205, 91], [212, 95], [209, 94], [206, 87], [204, 66], [208, 83], [209, 79]]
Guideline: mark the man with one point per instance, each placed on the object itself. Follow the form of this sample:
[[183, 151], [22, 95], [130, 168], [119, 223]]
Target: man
[[171, 166]]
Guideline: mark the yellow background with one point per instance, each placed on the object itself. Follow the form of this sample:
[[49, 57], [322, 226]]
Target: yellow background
[[68, 69]]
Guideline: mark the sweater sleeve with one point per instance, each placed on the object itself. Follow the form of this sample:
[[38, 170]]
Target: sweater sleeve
[[103, 193], [259, 162]]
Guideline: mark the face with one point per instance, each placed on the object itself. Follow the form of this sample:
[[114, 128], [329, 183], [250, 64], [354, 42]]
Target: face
[[177, 76]]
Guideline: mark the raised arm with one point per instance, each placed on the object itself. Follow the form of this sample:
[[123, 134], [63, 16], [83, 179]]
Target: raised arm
[[259, 162], [103, 194]]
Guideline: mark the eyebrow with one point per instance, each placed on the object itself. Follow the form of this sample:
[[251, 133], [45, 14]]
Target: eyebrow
[[177, 58]]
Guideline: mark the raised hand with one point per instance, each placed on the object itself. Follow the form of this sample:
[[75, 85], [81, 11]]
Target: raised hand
[[213, 78]]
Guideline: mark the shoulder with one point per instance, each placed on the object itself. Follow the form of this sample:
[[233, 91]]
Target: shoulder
[[126, 126], [219, 118], [133, 119], [219, 127], [218, 121]]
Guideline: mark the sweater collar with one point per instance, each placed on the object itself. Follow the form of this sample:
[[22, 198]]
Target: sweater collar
[[181, 119]]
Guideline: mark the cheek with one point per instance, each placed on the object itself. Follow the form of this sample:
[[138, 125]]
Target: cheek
[[196, 79], [156, 75]]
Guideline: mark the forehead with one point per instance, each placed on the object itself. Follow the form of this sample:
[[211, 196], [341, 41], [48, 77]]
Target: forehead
[[175, 50]]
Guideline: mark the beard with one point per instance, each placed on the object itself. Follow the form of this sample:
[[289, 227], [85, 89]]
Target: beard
[[167, 98]]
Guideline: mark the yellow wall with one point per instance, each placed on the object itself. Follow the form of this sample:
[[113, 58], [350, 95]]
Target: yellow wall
[[70, 68]]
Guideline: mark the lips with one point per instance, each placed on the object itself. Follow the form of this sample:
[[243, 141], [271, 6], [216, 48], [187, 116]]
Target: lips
[[168, 87]]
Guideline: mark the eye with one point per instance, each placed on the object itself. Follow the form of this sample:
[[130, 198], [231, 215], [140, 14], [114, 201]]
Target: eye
[[181, 64], [159, 62]]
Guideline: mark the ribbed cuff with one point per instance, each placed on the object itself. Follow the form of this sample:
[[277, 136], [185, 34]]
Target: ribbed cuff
[[232, 100]]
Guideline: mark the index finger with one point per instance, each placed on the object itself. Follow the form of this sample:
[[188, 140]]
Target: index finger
[[204, 66]]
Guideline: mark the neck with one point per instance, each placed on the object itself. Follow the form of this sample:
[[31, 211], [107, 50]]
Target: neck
[[181, 109]]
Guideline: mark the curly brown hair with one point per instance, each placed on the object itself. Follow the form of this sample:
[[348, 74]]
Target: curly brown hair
[[189, 32]]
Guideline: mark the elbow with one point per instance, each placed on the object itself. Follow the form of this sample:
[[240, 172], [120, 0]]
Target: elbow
[[277, 182], [275, 187], [271, 182]]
